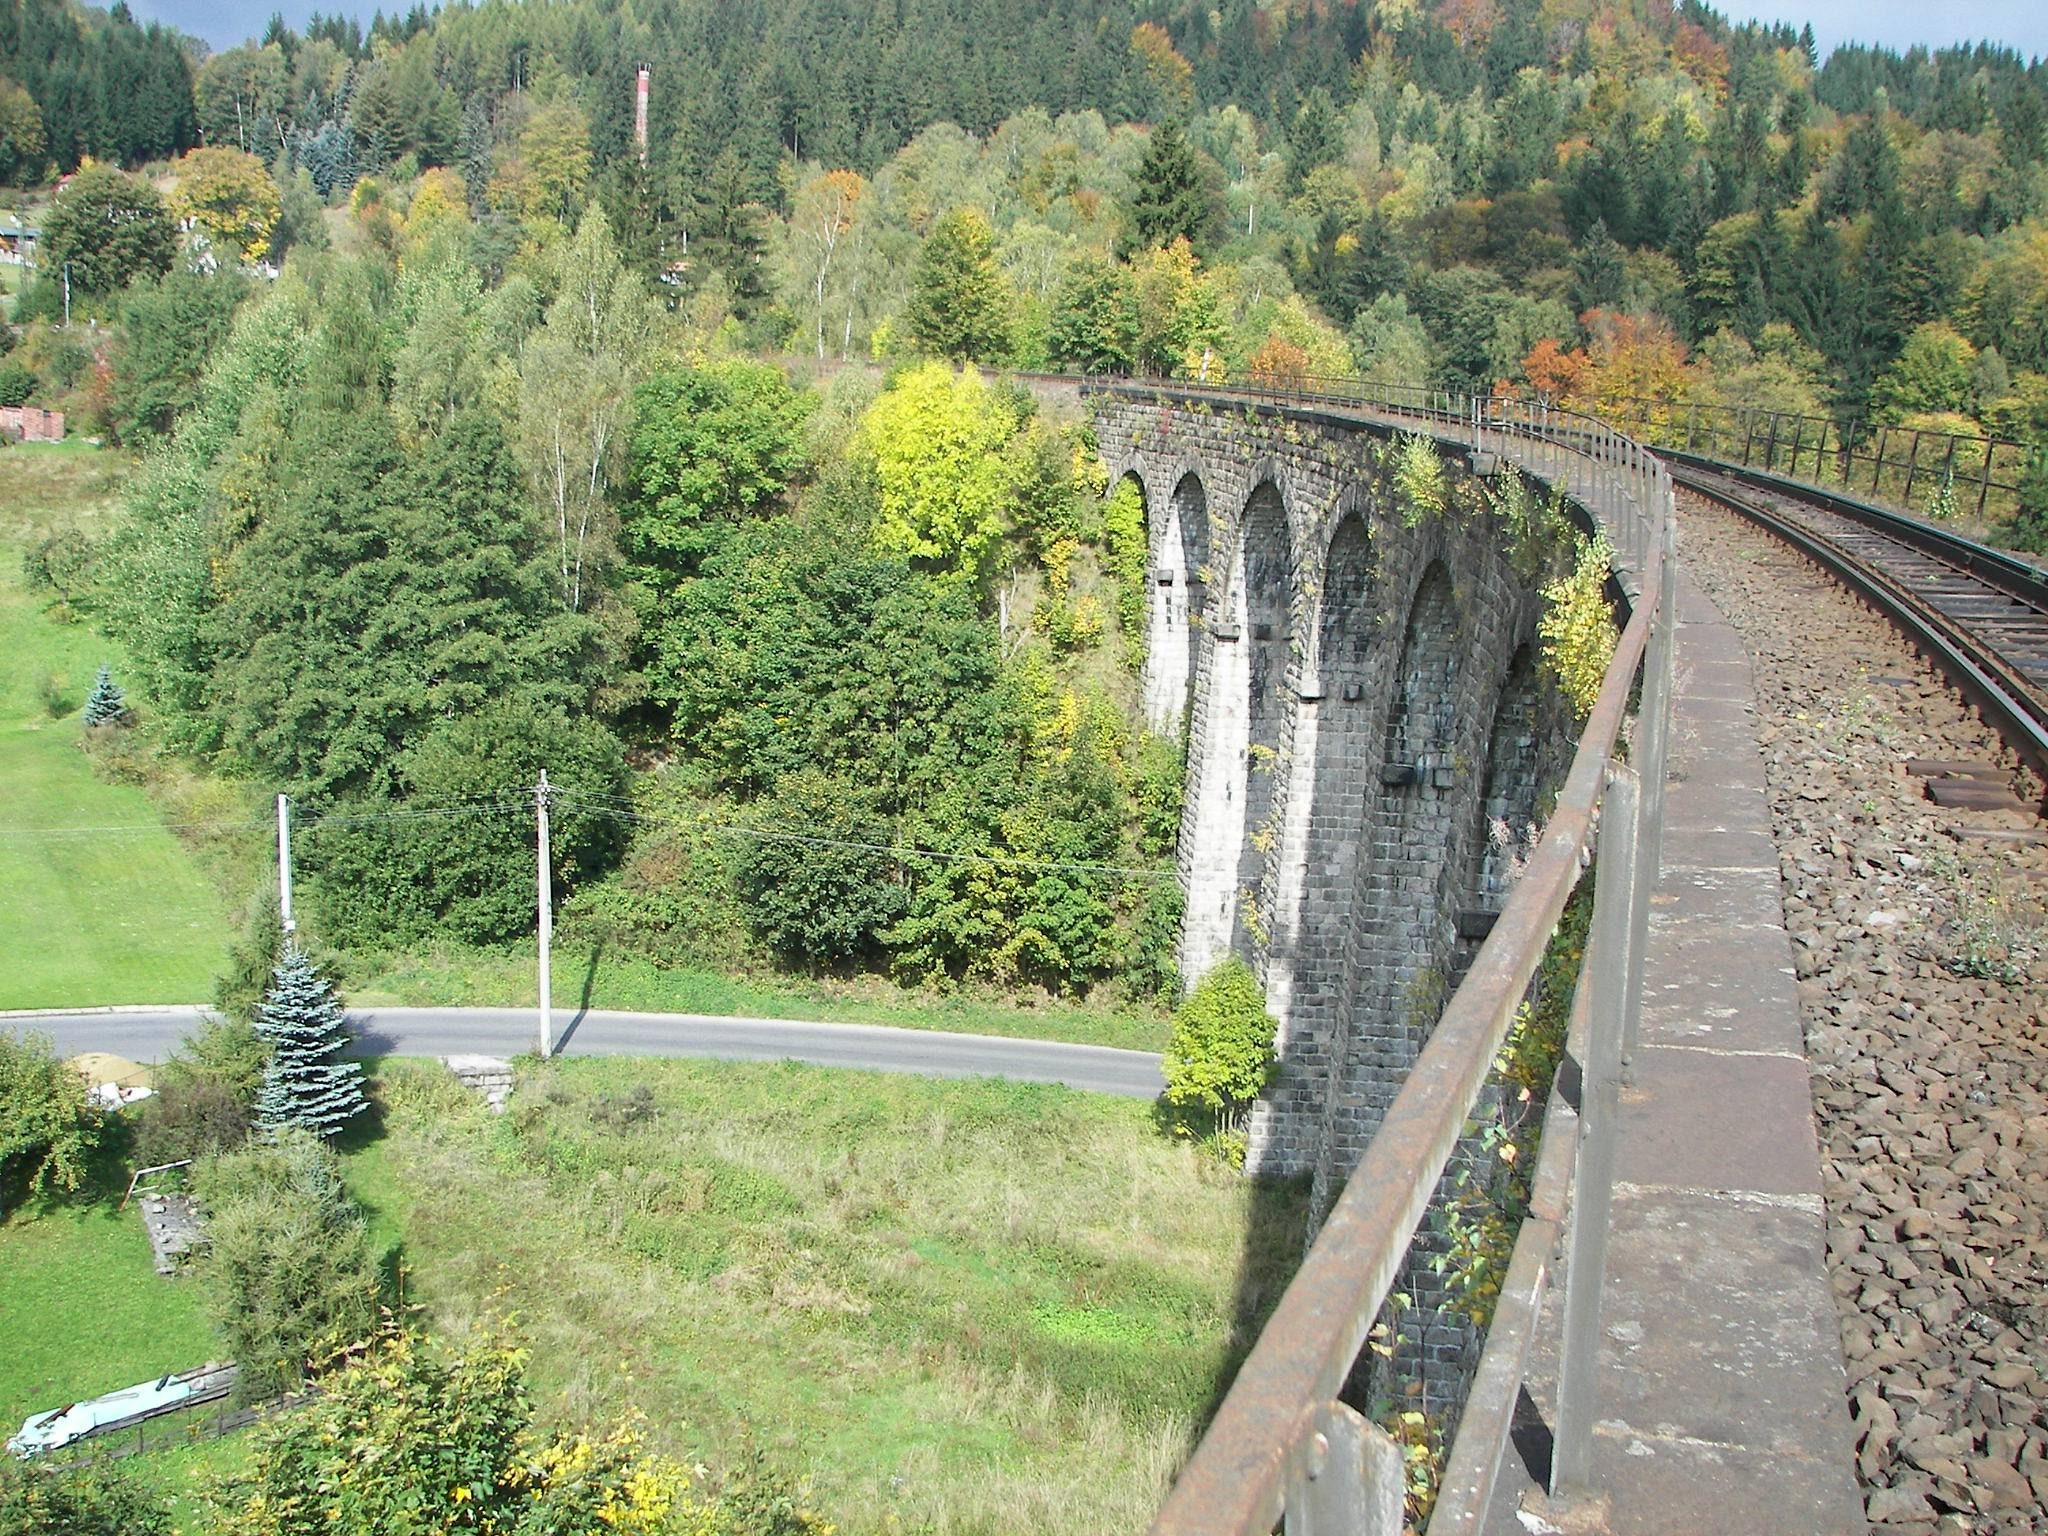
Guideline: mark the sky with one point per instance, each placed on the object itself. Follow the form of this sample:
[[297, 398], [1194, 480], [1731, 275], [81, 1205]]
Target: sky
[[2022, 24]]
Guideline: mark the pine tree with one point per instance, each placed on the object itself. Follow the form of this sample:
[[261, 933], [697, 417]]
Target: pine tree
[[305, 1084], [1599, 271], [105, 705]]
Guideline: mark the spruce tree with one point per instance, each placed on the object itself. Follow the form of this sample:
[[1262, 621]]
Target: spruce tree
[[306, 1083], [1169, 201], [959, 308], [105, 705]]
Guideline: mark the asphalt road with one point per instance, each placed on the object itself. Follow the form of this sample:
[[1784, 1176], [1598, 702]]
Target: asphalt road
[[150, 1034]]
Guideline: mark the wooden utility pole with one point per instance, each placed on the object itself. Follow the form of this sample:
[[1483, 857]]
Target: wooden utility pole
[[546, 919]]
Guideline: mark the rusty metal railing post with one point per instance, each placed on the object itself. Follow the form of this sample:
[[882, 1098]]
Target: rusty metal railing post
[[1571, 1467], [1353, 1483]]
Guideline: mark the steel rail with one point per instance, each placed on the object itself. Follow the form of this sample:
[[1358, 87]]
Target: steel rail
[[2014, 708], [2000, 568]]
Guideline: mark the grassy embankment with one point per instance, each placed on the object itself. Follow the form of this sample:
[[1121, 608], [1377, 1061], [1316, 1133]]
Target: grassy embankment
[[957, 1306], [122, 916]]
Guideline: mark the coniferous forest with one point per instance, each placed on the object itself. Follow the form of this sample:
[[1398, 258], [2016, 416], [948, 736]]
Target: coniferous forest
[[480, 439]]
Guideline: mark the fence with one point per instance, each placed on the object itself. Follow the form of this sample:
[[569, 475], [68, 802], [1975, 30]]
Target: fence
[[1284, 1447], [1937, 474]]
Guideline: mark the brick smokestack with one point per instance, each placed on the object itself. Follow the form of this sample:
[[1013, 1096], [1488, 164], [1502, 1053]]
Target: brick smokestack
[[640, 112]]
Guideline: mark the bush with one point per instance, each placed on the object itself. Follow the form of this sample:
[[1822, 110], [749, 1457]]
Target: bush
[[423, 1437], [1220, 1055], [287, 1266], [48, 1128], [824, 899], [206, 1095], [470, 877], [16, 383], [251, 957], [93, 1499]]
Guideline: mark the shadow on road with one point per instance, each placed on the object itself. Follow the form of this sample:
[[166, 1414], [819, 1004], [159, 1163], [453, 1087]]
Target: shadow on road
[[583, 999]]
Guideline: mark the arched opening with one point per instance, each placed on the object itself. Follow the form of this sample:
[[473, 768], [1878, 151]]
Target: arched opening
[[1425, 704], [1506, 811], [1265, 598], [1179, 550]]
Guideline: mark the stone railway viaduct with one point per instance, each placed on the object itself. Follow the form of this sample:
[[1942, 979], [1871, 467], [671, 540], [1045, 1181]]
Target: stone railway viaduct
[[1370, 739]]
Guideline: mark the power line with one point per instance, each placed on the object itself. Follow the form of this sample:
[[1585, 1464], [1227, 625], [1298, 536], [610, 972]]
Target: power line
[[441, 812]]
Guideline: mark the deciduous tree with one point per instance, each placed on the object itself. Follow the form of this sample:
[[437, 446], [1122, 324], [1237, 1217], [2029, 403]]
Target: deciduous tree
[[107, 227]]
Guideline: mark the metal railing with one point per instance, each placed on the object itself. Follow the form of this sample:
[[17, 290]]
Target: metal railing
[[1918, 469], [1284, 1447]]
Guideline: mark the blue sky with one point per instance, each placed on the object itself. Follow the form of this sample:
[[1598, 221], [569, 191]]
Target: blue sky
[[1899, 23], [2021, 24]]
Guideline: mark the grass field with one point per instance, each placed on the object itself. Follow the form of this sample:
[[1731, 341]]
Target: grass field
[[508, 977], [82, 1308], [960, 1307], [955, 1306], [85, 917]]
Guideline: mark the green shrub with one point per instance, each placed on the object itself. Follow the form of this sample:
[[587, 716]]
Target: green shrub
[[17, 383], [422, 1437], [1220, 1055], [822, 896], [287, 1267], [48, 1129], [206, 1095], [94, 1499], [1578, 627]]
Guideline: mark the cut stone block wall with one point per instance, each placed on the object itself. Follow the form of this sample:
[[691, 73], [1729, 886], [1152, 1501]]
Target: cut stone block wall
[[1364, 707]]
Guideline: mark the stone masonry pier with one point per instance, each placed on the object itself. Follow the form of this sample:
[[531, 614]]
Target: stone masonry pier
[[1369, 736]]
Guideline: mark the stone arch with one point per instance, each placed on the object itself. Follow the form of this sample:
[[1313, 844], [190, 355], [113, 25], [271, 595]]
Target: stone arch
[[1179, 544], [1398, 967], [1422, 716], [1263, 601], [1506, 809]]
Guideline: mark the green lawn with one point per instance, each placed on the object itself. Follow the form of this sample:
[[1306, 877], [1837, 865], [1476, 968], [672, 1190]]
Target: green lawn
[[508, 977], [955, 1306], [119, 916], [83, 1310]]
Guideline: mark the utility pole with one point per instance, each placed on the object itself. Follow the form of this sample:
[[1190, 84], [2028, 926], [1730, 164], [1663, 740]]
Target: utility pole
[[67, 295], [284, 862], [547, 919]]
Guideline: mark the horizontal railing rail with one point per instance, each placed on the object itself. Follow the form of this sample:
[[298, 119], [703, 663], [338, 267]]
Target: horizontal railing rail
[[1284, 1447]]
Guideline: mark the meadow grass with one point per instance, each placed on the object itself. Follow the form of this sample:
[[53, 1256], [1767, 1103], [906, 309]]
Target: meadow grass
[[123, 916], [956, 1306]]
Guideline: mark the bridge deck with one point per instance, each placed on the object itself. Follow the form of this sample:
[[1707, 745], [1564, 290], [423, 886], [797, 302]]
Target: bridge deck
[[1722, 1395]]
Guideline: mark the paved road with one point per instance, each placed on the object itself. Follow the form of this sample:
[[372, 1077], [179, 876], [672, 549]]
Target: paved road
[[149, 1034]]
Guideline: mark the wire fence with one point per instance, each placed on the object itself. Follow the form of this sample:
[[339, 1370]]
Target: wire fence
[[193, 1422]]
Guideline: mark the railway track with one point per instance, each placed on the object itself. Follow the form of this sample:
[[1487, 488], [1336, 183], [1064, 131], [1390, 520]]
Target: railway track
[[1979, 613]]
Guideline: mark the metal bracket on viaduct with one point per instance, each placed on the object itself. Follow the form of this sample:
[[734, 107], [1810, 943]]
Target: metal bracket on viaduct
[[1369, 734]]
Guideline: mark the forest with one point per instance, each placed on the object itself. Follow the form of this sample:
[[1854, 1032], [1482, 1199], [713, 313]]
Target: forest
[[482, 438]]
